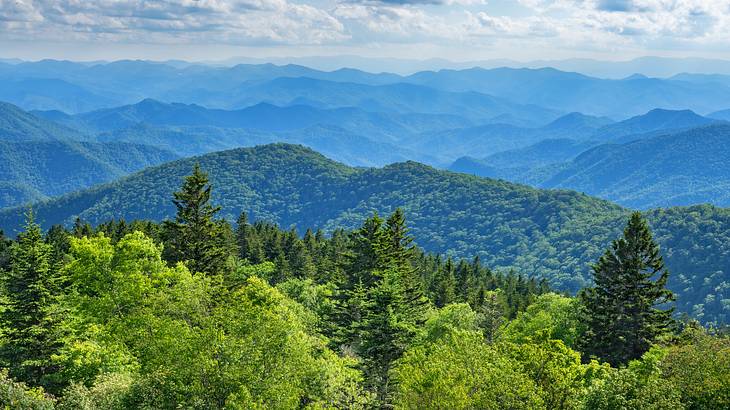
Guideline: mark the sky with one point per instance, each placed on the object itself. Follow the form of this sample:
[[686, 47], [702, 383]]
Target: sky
[[457, 30]]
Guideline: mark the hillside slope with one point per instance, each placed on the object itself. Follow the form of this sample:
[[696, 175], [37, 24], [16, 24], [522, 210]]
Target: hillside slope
[[19, 125], [683, 168], [32, 170], [555, 234]]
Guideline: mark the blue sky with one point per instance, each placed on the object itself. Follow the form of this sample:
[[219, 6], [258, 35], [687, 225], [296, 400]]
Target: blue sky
[[459, 30]]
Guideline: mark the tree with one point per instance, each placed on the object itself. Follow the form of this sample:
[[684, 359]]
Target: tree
[[462, 371], [622, 314], [386, 330], [444, 285], [550, 315], [250, 247], [195, 237], [27, 317], [699, 367]]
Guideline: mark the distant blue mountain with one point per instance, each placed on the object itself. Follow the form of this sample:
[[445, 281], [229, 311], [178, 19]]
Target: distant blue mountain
[[722, 115], [336, 142], [125, 82], [485, 140], [655, 120], [399, 97], [567, 91]]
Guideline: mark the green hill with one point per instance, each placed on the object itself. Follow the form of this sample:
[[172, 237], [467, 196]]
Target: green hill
[[40, 158], [682, 168], [555, 234], [32, 170]]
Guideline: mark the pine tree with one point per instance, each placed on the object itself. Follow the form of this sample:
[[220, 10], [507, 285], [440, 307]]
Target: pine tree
[[622, 313], [367, 254], [444, 285], [399, 252], [81, 228], [27, 317], [5, 246], [195, 237], [250, 246], [386, 330]]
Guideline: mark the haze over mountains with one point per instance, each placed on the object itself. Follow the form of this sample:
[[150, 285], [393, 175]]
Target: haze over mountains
[[375, 142], [492, 122]]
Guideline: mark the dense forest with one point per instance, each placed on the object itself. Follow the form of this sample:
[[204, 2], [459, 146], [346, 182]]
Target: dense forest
[[193, 312], [548, 234]]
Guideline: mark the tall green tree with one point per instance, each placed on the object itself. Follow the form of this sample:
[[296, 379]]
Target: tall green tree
[[250, 246], [195, 236], [27, 315], [625, 310], [395, 306]]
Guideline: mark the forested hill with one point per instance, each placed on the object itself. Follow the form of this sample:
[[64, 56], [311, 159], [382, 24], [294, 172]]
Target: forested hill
[[551, 233]]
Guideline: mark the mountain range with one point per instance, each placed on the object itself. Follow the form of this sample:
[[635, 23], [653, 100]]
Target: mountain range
[[549, 233], [77, 87]]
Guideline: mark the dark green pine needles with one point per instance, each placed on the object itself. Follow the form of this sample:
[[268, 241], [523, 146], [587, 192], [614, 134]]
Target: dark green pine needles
[[195, 236], [624, 310]]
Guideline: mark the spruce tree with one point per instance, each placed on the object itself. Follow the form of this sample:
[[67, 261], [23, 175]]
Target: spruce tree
[[444, 285], [395, 305], [27, 315], [400, 253], [250, 246], [195, 237], [624, 313]]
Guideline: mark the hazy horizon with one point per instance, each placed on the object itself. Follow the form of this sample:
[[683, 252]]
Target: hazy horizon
[[455, 30]]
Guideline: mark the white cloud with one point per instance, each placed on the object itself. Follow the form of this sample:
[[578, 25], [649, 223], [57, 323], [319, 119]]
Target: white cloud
[[540, 25], [232, 21]]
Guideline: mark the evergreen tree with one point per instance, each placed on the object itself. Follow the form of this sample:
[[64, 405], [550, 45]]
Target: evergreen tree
[[81, 228], [195, 237], [399, 252], [5, 245], [622, 313], [27, 316], [444, 285], [386, 330], [250, 246]]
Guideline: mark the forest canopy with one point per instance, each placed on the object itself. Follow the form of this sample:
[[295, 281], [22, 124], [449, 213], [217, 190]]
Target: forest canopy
[[195, 312]]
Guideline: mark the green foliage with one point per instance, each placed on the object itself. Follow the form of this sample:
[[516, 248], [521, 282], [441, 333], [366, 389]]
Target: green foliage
[[183, 343], [461, 371], [14, 395], [624, 314], [539, 233], [638, 386], [556, 370], [550, 316], [449, 319], [699, 367]]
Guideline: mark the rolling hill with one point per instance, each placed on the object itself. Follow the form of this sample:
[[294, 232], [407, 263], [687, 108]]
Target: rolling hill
[[335, 142], [40, 158], [683, 168], [19, 125], [33, 170], [554, 234]]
